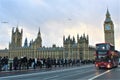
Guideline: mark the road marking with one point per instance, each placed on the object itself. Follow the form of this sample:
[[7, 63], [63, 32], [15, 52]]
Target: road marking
[[99, 75], [77, 73], [50, 77]]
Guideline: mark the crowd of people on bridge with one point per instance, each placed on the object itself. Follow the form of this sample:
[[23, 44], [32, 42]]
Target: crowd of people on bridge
[[28, 63]]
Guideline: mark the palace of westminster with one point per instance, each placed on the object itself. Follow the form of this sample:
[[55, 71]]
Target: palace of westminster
[[71, 49]]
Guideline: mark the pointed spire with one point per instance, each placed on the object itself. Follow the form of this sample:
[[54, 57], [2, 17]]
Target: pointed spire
[[107, 14], [73, 39], [17, 30], [26, 43], [84, 35], [64, 38], [21, 31], [30, 44], [87, 37], [39, 34], [77, 36], [13, 30], [69, 37]]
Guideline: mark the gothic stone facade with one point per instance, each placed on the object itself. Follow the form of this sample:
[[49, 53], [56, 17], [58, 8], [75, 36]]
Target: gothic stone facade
[[70, 50]]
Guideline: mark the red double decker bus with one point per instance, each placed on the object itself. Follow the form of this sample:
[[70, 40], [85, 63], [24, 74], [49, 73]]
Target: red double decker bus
[[106, 56]]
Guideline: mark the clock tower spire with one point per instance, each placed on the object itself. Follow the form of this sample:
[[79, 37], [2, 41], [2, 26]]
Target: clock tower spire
[[109, 29]]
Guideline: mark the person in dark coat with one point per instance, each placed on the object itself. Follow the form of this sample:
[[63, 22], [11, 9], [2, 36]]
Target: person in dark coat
[[15, 63], [5, 63]]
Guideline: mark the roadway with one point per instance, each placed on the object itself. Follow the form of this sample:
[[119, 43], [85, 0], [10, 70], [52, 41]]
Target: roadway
[[86, 72]]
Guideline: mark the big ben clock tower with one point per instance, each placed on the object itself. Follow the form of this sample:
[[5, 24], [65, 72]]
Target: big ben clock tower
[[109, 29]]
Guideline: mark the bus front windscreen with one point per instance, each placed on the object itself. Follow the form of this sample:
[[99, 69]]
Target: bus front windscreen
[[102, 56]]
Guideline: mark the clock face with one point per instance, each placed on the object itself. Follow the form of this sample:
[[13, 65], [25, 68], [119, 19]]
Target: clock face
[[107, 27]]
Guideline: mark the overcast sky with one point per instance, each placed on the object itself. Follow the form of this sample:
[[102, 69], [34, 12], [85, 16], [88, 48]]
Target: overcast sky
[[57, 18]]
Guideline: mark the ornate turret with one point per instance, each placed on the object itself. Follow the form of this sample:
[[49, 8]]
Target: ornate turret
[[38, 41], [16, 39], [83, 39], [68, 41], [83, 45]]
